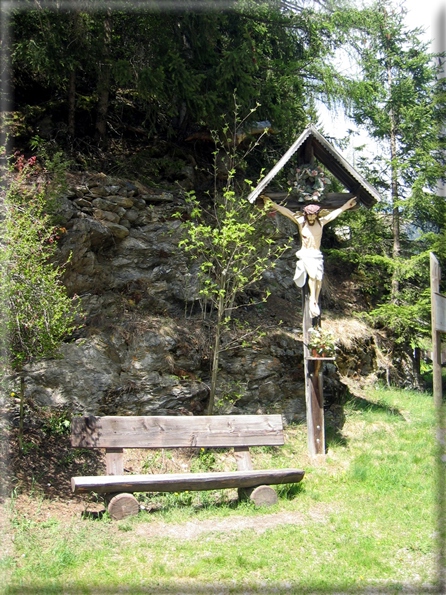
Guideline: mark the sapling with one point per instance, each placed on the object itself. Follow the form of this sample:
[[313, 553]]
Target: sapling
[[233, 248]]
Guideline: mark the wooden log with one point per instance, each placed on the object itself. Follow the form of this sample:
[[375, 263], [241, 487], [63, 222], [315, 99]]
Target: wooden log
[[178, 482], [122, 505], [224, 431], [261, 495]]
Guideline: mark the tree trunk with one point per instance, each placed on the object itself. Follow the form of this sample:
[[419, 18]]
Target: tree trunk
[[103, 84], [76, 34], [72, 104], [21, 411], [416, 361], [396, 249], [215, 359]]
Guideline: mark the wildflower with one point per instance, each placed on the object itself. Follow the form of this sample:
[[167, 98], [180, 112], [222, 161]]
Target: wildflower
[[322, 343]]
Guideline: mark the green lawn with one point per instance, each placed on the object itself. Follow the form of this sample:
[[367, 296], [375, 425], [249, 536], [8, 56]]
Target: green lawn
[[362, 521]]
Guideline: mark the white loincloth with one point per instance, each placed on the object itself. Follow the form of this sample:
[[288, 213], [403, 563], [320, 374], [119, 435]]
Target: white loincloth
[[311, 263]]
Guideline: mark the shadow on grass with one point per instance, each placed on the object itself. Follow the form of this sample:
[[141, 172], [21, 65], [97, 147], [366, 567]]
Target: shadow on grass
[[334, 437], [93, 515], [428, 381], [162, 503], [223, 589], [290, 491], [333, 432], [360, 404]]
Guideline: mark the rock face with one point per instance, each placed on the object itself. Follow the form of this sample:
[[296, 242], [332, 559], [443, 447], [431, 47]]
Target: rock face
[[163, 369], [142, 350], [117, 234]]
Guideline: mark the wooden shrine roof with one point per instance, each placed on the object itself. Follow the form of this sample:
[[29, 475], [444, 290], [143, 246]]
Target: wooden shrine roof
[[312, 142]]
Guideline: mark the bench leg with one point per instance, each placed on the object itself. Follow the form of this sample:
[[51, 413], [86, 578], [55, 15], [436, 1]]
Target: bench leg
[[261, 495], [122, 505]]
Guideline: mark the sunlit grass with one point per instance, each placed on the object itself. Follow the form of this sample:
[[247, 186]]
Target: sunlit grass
[[362, 517]]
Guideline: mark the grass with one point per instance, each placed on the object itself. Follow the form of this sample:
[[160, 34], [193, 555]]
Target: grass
[[362, 521]]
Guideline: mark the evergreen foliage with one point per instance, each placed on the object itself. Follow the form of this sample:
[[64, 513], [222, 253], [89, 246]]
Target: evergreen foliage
[[396, 98], [172, 72]]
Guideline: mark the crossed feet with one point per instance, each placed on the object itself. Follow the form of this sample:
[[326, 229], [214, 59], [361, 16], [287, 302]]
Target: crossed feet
[[314, 309]]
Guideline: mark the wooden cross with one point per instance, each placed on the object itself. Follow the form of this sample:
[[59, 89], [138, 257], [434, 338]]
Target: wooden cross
[[311, 145]]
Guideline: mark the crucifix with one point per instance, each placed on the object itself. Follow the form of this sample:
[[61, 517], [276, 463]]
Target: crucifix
[[308, 276], [310, 264], [311, 212]]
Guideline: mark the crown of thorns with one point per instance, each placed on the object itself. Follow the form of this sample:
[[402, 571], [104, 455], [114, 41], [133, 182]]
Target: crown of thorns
[[312, 209]]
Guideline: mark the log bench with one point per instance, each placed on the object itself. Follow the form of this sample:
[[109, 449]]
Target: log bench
[[240, 432]]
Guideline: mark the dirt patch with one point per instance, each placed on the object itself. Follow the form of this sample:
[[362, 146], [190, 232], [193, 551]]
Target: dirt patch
[[36, 481], [259, 524]]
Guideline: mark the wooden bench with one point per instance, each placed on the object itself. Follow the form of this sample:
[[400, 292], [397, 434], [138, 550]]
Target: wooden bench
[[225, 431]]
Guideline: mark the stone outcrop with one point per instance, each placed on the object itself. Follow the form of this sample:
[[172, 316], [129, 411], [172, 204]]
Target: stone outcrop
[[162, 368], [142, 348], [116, 235]]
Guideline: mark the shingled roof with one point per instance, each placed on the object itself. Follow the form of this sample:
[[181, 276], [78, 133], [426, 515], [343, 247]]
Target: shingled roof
[[328, 156]]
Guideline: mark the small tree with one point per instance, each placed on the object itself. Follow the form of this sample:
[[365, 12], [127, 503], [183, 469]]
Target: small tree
[[233, 251], [39, 314]]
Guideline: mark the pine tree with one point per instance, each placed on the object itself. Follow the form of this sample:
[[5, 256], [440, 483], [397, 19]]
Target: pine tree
[[396, 100]]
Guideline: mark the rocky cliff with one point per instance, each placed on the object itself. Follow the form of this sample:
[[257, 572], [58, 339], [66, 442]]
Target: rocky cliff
[[144, 347]]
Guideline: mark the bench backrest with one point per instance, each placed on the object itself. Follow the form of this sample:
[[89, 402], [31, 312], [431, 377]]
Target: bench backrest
[[216, 431]]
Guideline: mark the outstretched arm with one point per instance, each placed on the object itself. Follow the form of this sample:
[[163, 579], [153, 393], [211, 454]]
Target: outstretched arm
[[333, 214], [280, 209]]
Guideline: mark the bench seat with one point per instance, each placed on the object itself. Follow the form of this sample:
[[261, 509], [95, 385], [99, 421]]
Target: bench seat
[[178, 482], [237, 432]]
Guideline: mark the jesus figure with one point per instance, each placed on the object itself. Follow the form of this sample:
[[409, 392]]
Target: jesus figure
[[311, 260]]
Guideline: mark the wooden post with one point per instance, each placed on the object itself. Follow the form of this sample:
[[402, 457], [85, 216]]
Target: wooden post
[[317, 406], [438, 309], [119, 506], [314, 390], [114, 461], [262, 495], [438, 312]]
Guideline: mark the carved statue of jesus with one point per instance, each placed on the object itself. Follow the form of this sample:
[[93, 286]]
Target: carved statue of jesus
[[311, 260]]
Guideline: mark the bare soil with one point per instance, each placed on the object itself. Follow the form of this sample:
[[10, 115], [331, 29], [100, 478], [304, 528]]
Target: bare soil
[[39, 478]]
